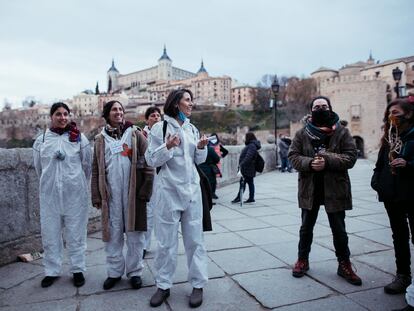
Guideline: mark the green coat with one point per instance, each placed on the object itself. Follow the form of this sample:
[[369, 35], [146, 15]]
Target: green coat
[[340, 156]]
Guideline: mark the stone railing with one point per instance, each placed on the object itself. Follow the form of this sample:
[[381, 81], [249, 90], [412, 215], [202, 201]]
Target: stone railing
[[19, 199]]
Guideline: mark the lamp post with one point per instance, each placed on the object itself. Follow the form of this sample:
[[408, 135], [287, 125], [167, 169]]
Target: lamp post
[[275, 91], [396, 74]]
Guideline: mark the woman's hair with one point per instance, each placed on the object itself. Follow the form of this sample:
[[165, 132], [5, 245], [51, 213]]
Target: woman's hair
[[320, 97], [407, 105], [151, 110], [107, 109], [58, 105], [249, 137], [173, 99]]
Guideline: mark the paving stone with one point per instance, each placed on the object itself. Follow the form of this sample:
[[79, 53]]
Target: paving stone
[[181, 272], [288, 252], [225, 213], [334, 303], [359, 211], [55, 305], [277, 287], [30, 291], [325, 273], [243, 224], [267, 236], [97, 257], [377, 300], [244, 260], [219, 295], [357, 225], [225, 241], [15, 273], [356, 244], [379, 218], [259, 211], [384, 261], [217, 228], [382, 236], [281, 220], [121, 300], [95, 277]]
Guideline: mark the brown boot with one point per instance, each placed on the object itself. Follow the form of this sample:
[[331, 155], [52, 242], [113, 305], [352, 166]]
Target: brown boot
[[301, 266], [196, 298], [159, 297], [345, 271]]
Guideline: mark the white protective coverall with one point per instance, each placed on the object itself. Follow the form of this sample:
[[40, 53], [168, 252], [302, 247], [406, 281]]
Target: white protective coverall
[[409, 295], [118, 169], [177, 197], [64, 198], [150, 210]]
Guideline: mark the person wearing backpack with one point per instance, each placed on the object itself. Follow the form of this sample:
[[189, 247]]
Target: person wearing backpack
[[175, 148], [247, 166]]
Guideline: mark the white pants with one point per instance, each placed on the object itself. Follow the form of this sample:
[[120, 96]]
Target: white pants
[[132, 264], [52, 223], [409, 295], [150, 225], [166, 232]]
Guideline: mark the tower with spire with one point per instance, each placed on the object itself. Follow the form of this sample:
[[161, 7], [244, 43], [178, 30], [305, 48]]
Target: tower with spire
[[112, 77], [165, 66], [371, 60], [202, 71]]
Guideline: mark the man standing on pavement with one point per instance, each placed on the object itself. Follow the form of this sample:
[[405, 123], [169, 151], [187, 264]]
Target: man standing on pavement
[[322, 152]]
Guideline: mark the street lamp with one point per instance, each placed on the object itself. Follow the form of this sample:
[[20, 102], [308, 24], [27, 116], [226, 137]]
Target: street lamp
[[275, 91], [396, 74]]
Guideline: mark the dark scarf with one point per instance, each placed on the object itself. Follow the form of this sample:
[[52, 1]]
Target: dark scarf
[[74, 133], [320, 135], [117, 132]]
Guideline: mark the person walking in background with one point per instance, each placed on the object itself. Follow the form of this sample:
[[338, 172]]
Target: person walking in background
[[175, 147], [221, 152], [247, 166], [393, 180], [152, 116], [284, 144], [62, 160], [323, 152], [121, 187]]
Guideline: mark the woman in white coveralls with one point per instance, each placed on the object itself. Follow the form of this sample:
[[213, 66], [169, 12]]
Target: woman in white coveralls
[[177, 196], [62, 159]]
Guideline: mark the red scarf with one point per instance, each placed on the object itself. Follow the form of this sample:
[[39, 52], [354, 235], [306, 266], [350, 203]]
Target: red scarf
[[74, 133]]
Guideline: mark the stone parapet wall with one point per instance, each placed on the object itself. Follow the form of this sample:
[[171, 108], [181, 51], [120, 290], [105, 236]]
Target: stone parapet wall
[[19, 199]]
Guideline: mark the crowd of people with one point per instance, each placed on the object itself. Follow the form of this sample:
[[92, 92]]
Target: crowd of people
[[150, 179]]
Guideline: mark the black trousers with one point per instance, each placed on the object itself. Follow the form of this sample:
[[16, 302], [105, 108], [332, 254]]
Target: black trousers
[[246, 180], [401, 216], [337, 224]]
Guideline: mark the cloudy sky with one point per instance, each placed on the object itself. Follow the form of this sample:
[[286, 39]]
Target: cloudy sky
[[54, 49]]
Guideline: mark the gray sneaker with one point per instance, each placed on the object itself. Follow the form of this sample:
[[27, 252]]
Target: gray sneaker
[[398, 285]]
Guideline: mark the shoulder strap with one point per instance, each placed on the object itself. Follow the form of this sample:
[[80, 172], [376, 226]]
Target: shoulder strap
[[164, 131]]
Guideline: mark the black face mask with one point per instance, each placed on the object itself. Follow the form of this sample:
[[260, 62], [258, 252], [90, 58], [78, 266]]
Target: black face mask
[[322, 117]]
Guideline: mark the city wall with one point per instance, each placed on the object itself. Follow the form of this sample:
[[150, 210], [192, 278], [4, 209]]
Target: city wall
[[19, 199]]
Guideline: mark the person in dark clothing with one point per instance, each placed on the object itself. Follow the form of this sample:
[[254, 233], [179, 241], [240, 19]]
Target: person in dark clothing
[[284, 144], [322, 152], [209, 167], [247, 166], [393, 180], [214, 142]]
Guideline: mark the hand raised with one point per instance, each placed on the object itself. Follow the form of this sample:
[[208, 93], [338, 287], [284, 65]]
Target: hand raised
[[202, 142], [172, 141]]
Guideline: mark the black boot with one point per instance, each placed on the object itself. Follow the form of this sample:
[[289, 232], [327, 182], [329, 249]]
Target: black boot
[[398, 285], [48, 281], [78, 279], [196, 298], [110, 282], [407, 308], [136, 282], [236, 200], [159, 297]]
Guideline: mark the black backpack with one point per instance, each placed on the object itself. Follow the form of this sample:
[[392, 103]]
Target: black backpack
[[259, 163]]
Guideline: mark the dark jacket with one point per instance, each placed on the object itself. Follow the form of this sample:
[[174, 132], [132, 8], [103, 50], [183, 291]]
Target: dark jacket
[[248, 157], [397, 187], [340, 156], [209, 167]]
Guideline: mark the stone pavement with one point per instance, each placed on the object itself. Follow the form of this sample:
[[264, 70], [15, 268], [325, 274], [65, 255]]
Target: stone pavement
[[250, 251]]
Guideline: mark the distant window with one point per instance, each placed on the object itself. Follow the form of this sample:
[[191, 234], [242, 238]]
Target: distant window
[[412, 67], [377, 73]]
